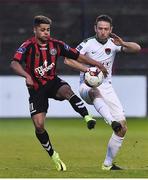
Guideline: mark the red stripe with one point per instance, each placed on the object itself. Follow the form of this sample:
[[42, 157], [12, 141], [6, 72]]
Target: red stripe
[[37, 61], [18, 55], [44, 54]]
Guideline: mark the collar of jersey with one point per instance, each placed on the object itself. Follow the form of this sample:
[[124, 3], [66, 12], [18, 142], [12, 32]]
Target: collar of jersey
[[100, 40]]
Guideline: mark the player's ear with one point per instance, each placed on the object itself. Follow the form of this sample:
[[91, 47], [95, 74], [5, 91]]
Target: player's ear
[[95, 28], [34, 30], [111, 29]]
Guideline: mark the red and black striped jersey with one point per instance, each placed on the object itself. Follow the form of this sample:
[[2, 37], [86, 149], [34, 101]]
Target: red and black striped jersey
[[40, 61]]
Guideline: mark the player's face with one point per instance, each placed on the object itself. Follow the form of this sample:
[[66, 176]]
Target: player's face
[[42, 32], [103, 30]]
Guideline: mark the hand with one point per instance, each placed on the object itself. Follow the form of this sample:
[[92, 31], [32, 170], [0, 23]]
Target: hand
[[116, 39], [29, 82], [104, 70]]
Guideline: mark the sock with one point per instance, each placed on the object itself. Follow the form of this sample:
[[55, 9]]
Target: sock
[[44, 140], [103, 109], [78, 105], [114, 145]]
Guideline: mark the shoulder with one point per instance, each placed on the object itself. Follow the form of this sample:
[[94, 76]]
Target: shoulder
[[88, 40], [111, 43], [25, 46], [27, 43], [60, 44], [86, 43], [56, 41]]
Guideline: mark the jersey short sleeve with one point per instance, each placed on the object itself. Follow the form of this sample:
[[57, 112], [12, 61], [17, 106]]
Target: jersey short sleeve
[[82, 47], [117, 48], [20, 54]]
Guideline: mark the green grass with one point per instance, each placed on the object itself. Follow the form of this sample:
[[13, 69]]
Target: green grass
[[82, 150]]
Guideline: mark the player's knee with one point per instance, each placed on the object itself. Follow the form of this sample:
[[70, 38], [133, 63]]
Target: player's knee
[[39, 127], [65, 92], [120, 128], [93, 93], [123, 131]]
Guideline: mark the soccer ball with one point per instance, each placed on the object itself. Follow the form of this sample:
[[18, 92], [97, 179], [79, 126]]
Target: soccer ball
[[93, 77]]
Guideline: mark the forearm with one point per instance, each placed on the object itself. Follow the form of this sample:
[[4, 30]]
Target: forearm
[[131, 47], [74, 64], [89, 61], [127, 46], [18, 69]]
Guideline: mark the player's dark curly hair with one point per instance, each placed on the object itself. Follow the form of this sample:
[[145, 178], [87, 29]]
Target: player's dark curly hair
[[103, 17], [41, 20]]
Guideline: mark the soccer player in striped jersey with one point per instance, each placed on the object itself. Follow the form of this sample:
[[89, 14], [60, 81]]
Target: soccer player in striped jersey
[[103, 47], [35, 60]]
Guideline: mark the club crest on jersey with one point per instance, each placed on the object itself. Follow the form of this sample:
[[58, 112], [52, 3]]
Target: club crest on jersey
[[107, 51], [53, 52]]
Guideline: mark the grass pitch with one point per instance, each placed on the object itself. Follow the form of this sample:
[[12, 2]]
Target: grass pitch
[[82, 150]]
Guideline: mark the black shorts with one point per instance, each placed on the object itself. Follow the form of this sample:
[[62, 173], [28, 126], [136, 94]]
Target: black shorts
[[38, 100]]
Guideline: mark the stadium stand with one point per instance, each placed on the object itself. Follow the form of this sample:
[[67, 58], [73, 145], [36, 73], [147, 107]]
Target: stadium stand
[[73, 21]]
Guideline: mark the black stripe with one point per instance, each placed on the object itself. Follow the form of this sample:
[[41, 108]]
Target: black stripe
[[32, 65]]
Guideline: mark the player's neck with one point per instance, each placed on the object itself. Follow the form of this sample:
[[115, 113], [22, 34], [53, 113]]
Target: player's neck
[[41, 43], [102, 41]]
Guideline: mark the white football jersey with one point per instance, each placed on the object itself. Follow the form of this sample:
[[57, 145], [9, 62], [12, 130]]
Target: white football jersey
[[104, 53]]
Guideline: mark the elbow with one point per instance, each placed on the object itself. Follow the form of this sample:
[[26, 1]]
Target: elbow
[[13, 65], [66, 61], [81, 58], [138, 48]]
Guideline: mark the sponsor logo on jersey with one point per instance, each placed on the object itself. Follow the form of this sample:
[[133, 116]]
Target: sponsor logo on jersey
[[107, 51], [66, 47], [53, 52], [21, 50], [93, 52], [43, 48], [44, 68], [79, 47]]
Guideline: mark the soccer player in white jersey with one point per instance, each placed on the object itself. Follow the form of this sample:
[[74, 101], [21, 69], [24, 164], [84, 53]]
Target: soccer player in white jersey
[[104, 46]]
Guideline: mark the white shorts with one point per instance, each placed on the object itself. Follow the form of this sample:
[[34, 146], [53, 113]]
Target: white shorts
[[109, 96]]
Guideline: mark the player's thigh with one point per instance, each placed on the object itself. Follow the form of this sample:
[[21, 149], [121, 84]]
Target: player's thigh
[[113, 102], [64, 92], [61, 90], [84, 93], [38, 103]]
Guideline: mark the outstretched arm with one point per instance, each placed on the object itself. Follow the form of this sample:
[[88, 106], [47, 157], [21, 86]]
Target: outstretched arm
[[87, 60], [75, 64], [18, 69], [127, 46]]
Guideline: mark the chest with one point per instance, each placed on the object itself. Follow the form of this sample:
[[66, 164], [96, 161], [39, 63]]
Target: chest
[[101, 52]]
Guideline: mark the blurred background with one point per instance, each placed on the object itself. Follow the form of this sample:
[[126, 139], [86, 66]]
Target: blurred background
[[73, 21]]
